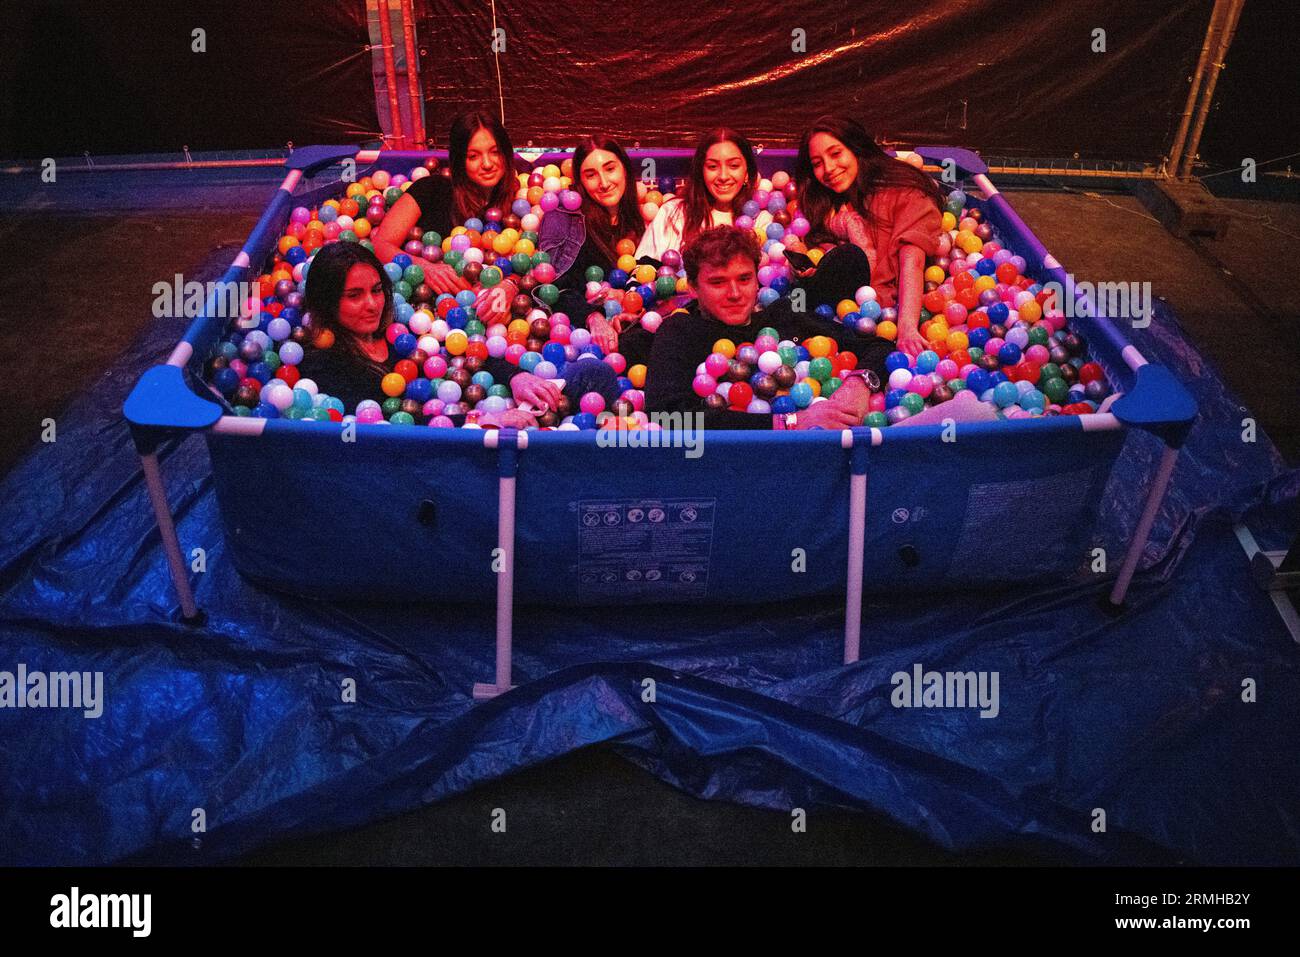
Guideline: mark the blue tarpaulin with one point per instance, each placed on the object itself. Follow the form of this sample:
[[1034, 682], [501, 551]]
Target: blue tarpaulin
[[1141, 716]]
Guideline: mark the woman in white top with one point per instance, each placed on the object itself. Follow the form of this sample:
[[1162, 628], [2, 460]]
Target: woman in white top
[[724, 174]]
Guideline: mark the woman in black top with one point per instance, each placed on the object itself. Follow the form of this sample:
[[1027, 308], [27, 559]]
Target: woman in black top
[[579, 239], [482, 178]]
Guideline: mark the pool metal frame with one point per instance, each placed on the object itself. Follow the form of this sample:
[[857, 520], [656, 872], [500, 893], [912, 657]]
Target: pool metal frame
[[163, 405]]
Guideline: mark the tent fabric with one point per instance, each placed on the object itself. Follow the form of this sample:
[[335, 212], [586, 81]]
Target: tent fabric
[[244, 717]]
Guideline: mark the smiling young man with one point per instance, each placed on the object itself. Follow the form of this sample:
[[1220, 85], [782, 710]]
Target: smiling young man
[[722, 269]]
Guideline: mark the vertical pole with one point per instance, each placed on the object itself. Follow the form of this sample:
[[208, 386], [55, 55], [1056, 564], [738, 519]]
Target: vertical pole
[[1211, 34], [412, 76], [167, 530], [1216, 67], [1142, 533], [857, 540], [508, 442], [390, 74]]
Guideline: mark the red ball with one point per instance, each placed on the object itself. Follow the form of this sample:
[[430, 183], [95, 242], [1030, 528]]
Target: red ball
[[741, 395]]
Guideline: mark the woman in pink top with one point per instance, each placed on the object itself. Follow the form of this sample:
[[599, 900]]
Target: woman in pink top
[[853, 192]]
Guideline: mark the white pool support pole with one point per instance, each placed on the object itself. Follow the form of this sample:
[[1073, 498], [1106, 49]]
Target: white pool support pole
[[857, 548], [1143, 531], [167, 530], [506, 575]]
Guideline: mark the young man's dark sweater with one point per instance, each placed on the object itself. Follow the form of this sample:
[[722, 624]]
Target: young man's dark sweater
[[687, 336]]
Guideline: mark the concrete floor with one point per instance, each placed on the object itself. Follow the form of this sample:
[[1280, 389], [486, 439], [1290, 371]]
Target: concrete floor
[[98, 246]]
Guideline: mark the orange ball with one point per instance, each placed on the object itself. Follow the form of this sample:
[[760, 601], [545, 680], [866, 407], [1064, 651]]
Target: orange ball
[[887, 330], [846, 307], [726, 347], [636, 375], [286, 243], [393, 384], [324, 339], [632, 303], [457, 342], [625, 247], [819, 346]]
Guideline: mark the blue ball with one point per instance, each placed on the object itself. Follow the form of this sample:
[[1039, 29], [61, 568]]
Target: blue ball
[[421, 390], [521, 208], [1009, 354], [893, 397], [783, 405], [801, 354], [529, 360], [585, 421], [767, 296], [750, 209], [553, 352], [979, 381], [265, 410], [404, 344], [1005, 394], [977, 337], [986, 267], [617, 278], [998, 312], [825, 312], [781, 285], [801, 394], [227, 380], [476, 224], [260, 371], [465, 298], [623, 383], [927, 361], [869, 309], [897, 360], [482, 378], [457, 317], [401, 261]]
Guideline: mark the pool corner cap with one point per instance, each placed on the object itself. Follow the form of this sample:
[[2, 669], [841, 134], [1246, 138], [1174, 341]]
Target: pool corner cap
[[1157, 403], [967, 161], [313, 159], [162, 400]]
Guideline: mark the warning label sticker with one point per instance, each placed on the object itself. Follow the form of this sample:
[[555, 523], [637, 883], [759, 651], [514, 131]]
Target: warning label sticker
[[654, 548]]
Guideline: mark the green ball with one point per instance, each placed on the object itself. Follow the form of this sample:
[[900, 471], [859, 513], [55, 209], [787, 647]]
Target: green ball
[[499, 390], [392, 195], [789, 355], [549, 293], [912, 402], [319, 415], [925, 314], [820, 369], [272, 360], [520, 263], [392, 405], [1038, 336], [831, 385], [368, 245], [594, 274], [413, 275], [975, 352], [877, 420], [665, 286], [348, 236], [769, 331], [453, 257], [1049, 370], [531, 236], [402, 418], [957, 385], [474, 327], [243, 410], [489, 277], [431, 239], [540, 257], [403, 288], [1056, 389], [293, 412]]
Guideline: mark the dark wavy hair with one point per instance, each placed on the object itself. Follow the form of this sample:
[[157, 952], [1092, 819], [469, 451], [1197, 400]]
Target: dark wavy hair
[[717, 247], [599, 227], [326, 278], [468, 198], [697, 204], [876, 170]]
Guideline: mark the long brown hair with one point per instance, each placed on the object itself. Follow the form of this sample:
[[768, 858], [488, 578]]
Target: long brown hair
[[697, 203], [468, 198], [876, 170], [599, 227]]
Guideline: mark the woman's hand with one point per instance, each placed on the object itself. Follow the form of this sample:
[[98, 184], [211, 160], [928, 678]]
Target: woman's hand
[[910, 340], [441, 277], [602, 333], [509, 419], [854, 396], [535, 391], [827, 415], [493, 305]]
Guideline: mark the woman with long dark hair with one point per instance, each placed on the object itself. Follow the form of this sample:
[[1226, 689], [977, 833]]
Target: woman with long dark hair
[[590, 235], [723, 176], [482, 177], [855, 194]]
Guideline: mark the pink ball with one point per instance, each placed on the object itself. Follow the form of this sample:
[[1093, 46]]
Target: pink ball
[[922, 385], [571, 199], [592, 403], [877, 402], [441, 422], [395, 329], [301, 214], [956, 313], [800, 226], [544, 272], [651, 321], [716, 365], [947, 368], [561, 333], [497, 347], [332, 230], [636, 397], [370, 415], [704, 385], [581, 338], [616, 362], [433, 407], [1038, 354], [549, 201], [514, 353], [435, 367]]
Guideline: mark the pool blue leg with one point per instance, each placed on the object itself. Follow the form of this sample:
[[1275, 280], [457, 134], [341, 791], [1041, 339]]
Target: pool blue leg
[[1142, 534], [857, 540], [170, 542], [508, 442]]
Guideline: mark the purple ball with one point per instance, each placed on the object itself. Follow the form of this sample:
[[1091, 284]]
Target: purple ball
[[284, 287], [988, 297], [413, 248], [293, 300]]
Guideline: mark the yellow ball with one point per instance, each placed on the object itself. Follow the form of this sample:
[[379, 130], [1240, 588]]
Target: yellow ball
[[934, 274], [936, 332], [503, 244], [457, 342], [815, 385], [645, 274], [355, 189], [984, 282], [949, 222], [726, 347], [819, 346], [1031, 311], [636, 375], [525, 246], [846, 307], [361, 227], [957, 340], [393, 384], [626, 263], [683, 286], [551, 170], [331, 202], [887, 330], [816, 255]]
